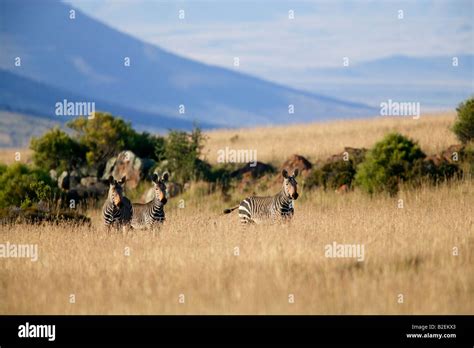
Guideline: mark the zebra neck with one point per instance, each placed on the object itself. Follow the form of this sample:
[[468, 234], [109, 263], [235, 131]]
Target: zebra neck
[[157, 203], [283, 199]]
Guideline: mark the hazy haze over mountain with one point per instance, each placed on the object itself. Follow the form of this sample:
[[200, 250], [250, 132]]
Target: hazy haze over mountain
[[86, 58]]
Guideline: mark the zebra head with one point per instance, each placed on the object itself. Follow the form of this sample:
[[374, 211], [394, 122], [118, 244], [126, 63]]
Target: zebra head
[[290, 186], [116, 190], [160, 186]]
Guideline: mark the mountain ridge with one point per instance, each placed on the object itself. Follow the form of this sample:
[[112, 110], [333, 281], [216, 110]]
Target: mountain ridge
[[86, 57]]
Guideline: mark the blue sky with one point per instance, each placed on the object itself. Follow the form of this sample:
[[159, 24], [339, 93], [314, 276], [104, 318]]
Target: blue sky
[[272, 46]]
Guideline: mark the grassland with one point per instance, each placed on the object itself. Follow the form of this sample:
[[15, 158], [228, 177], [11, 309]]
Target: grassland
[[422, 251], [321, 140]]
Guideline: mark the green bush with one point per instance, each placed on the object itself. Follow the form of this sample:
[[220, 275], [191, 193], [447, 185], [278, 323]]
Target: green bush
[[57, 150], [182, 150], [146, 145], [393, 160], [437, 172], [93, 142], [337, 171], [314, 179], [22, 186], [468, 158], [103, 135], [464, 124]]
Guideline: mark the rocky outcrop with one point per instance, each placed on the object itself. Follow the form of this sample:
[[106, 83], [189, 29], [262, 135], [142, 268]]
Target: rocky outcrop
[[254, 170], [297, 162], [127, 164]]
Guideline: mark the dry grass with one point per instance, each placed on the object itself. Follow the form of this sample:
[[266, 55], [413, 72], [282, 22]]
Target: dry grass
[[9, 156], [321, 140], [316, 140], [408, 251]]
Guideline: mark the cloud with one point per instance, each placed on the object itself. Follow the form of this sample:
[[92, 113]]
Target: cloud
[[81, 65]]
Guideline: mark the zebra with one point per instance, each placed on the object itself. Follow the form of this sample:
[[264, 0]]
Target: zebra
[[117, 209], [278, 207], [152, 213]]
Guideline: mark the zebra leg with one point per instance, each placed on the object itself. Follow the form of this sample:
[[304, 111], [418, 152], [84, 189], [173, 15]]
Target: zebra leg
[[126, 229], [246, 221]]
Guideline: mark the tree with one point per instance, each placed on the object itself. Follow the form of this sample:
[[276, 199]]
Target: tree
[[182, 150], [464, 124], [57, 150], [146, 145], [392, 160], [103, 135]]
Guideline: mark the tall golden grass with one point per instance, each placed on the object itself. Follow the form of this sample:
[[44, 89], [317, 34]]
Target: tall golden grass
[[321, 140], [408, 251], [422, 251]]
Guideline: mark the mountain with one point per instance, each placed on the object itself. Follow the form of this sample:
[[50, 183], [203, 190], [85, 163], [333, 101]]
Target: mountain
[[83, 58], [433, 81], [20, 94]]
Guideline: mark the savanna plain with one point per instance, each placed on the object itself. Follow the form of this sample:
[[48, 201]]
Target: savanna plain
[[417, 257]]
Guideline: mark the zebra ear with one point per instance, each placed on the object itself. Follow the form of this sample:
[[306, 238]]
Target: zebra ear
[[165, 176], [295, 173], [284, 173], [111, 180], [154, 178]]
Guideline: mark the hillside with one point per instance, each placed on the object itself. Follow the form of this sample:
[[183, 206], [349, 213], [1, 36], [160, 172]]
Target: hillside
[[321, 140], [86, 58], [16, 129], [37, 99]]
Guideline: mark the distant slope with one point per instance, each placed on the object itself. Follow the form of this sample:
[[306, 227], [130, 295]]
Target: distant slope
[[86, 57], [16, 129], [432, 81], [34, 98]]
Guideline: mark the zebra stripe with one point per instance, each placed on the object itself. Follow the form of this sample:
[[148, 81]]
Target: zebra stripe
[[254, 209], [151, 213], [145, 215], [117, 216], [117, 209], [278, 207]]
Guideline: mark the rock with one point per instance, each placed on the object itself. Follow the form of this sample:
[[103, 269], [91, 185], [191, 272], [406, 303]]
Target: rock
[[173, 189], [342, 189], [452, 152], [434, 160], [53, 174], [440, 167], [89, 181], [63, 181], [349, 153], [74, 178], [254, 170], [296, 161], [109, 168], [148, 195], [128, 164], [84, 195]]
